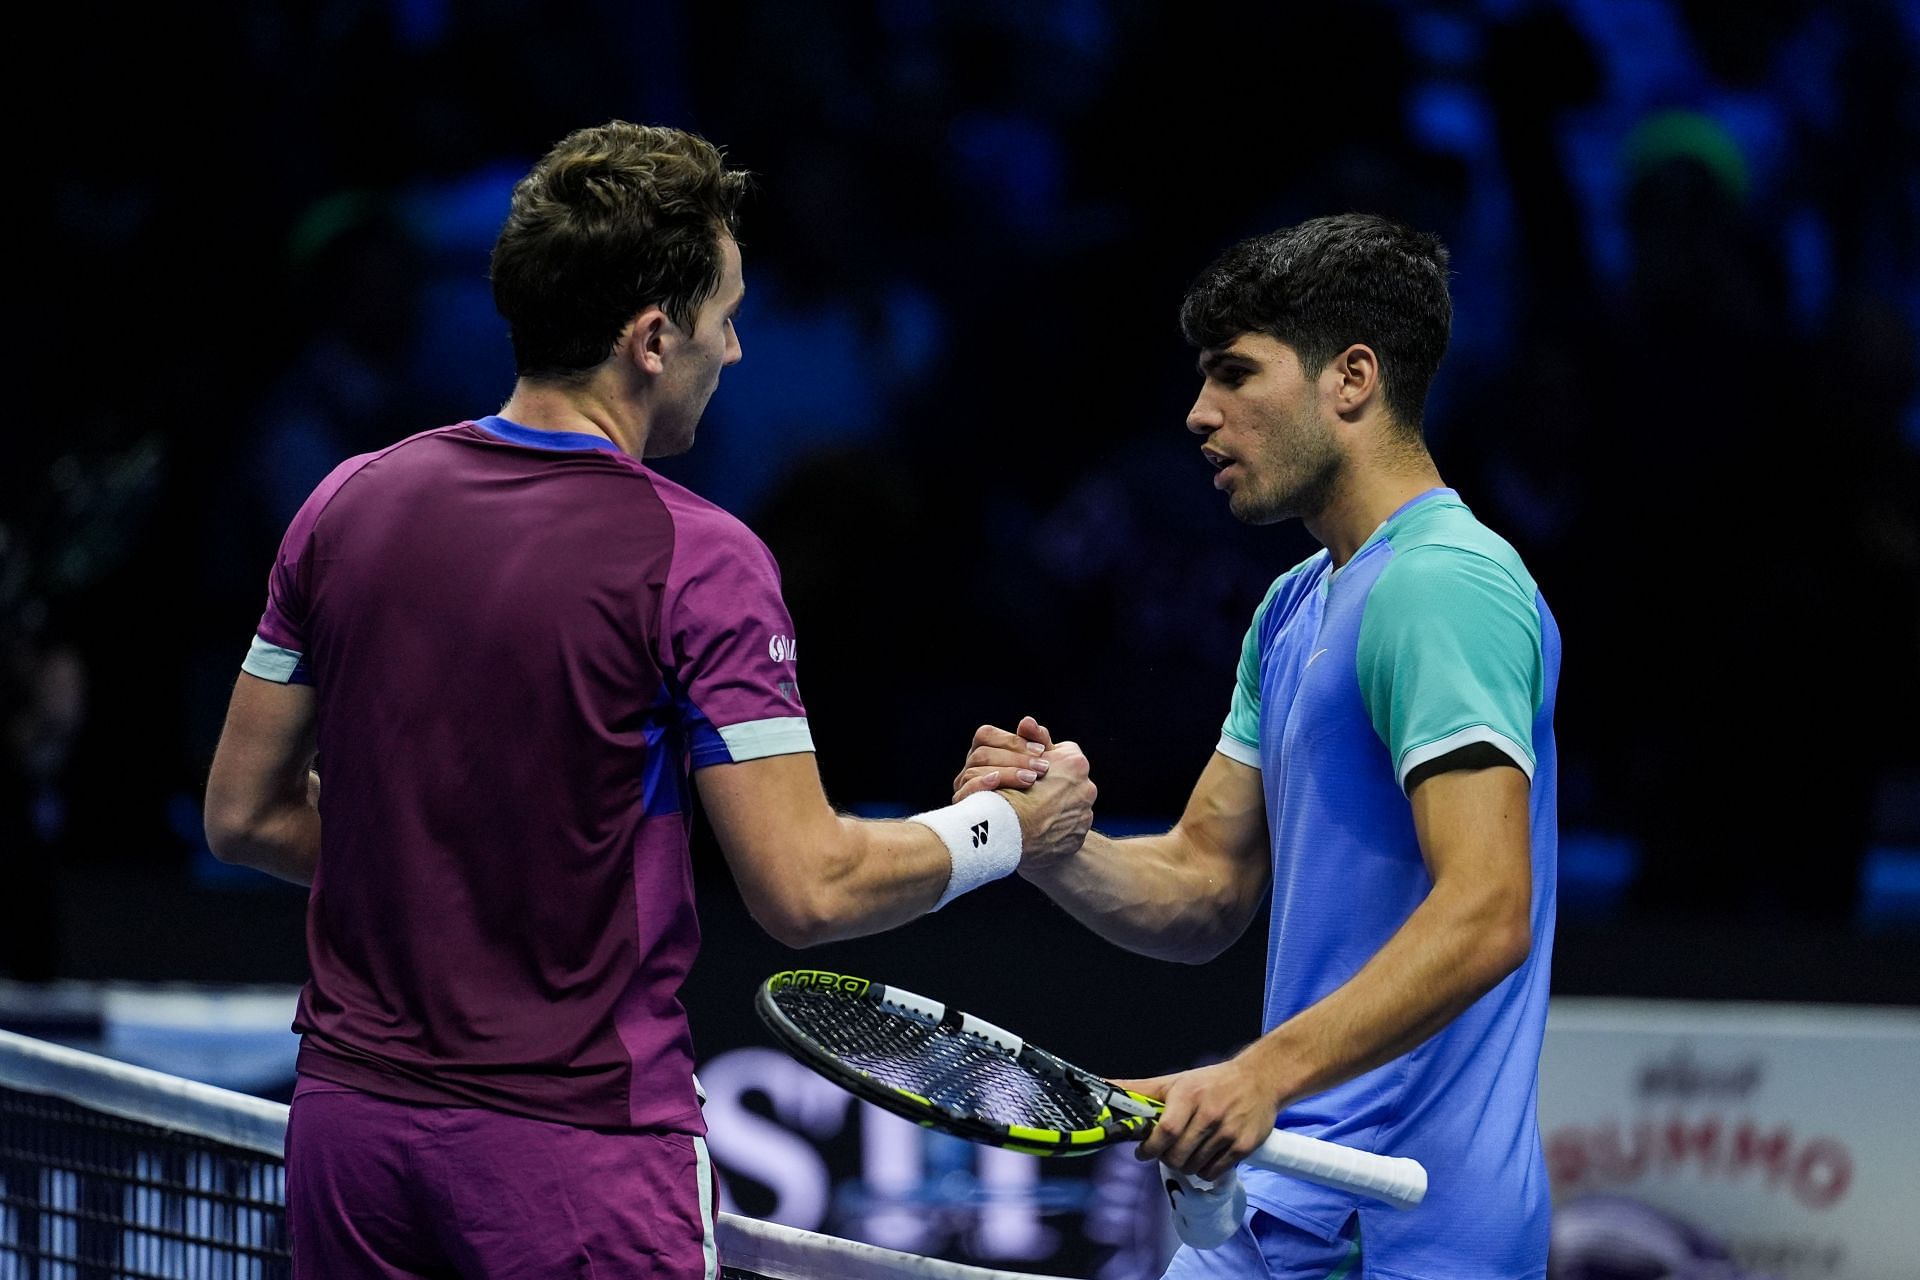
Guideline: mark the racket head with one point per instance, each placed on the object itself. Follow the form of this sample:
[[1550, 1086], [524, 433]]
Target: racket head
[[945, 1069]]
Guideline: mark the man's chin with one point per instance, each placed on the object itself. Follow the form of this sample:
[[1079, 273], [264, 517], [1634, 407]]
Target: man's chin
[[1248, 508], [668, 448]]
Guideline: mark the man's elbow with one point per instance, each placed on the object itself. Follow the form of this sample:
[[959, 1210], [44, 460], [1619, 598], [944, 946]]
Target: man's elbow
[[229, 835], [1508, 946], [1193, 949], [795, 918], [811, 898], [799, 932], [1219, 928], [235, 833]]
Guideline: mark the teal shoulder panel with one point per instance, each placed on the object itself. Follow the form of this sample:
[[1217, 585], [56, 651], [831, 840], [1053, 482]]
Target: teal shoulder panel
[[1240, 735], [1449, 648]]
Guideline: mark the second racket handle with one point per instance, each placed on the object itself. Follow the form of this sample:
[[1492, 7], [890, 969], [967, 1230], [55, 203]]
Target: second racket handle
[[1205, 1214]]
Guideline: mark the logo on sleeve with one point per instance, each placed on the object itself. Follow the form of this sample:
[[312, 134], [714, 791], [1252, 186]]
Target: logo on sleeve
[[781, 648]]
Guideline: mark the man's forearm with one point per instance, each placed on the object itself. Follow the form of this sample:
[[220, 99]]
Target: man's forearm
[[866, 877], [1162, 896], [1452, 950]]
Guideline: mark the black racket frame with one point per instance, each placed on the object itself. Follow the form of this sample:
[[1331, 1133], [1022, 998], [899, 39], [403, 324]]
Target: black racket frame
[[1116, 1124]]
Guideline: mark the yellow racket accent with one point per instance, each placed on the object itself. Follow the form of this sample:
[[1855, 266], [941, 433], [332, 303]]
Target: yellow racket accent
[[818, 978]]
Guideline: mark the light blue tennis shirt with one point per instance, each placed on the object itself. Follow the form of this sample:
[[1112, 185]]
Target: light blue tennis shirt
[[1431, 638]]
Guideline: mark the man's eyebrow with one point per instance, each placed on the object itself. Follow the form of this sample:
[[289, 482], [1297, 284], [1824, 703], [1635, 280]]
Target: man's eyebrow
[[1213, 358]]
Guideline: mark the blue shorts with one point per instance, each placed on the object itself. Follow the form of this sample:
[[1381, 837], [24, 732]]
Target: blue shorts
[[1266, 1246]]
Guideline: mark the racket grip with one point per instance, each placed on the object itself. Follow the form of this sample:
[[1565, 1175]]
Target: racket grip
[[1205, 1214], [1396, 1180]]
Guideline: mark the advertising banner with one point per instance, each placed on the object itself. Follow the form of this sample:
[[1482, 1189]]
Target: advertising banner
[[1790, 1132]]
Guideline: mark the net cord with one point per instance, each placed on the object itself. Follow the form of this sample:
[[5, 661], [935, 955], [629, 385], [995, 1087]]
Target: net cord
[[254, 1124], [138, 1093]]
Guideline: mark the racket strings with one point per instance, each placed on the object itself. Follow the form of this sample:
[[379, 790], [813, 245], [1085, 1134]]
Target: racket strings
[[956, 1071]]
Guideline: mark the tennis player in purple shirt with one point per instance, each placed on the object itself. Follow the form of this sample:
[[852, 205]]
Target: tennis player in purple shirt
[[512, 645]]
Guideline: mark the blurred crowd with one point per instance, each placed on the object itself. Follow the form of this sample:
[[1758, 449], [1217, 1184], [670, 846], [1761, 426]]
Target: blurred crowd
[[1686, 239]]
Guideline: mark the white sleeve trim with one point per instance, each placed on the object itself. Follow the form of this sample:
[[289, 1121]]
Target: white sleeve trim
[[1417, 756], [757, 739], [271, 662], [1237, 751]]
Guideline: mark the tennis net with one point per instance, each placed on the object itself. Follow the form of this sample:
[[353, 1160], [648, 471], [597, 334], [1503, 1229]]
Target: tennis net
[[109, 1170]]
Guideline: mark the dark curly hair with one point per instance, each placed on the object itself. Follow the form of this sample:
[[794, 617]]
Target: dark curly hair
[[614, 219], [1326, 284]]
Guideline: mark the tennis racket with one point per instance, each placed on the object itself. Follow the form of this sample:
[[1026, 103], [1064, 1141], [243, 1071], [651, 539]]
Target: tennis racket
[[951, 1071]]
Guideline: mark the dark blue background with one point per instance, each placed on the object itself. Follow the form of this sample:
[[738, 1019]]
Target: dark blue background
[[1682, 382]]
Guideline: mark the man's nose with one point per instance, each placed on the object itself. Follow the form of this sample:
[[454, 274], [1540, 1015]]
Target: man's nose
[[1203, 418]]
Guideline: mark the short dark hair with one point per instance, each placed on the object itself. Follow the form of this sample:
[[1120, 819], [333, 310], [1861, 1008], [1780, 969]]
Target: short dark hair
[[613, 220], [1326, 284]]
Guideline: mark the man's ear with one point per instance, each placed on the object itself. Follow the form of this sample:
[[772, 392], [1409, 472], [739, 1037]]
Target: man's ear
[[646, 340], [1352, 380]]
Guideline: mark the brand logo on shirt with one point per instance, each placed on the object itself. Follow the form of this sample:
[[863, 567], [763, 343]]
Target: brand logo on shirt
[[781, 648], [1315, 658]]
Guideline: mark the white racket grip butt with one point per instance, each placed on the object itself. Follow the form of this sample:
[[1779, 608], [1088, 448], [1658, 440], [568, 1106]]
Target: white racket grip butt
[[1205, 1214], [1395, 1180]]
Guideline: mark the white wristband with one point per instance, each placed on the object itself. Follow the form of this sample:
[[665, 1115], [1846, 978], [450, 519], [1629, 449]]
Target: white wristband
[[982, 835]]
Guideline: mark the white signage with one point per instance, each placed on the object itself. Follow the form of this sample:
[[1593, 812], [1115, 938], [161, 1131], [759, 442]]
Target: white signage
[[1792, 1133], [771, 1122]]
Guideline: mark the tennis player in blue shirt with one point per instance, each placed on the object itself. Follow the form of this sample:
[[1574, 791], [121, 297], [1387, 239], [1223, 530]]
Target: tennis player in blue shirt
[[1386, 772]]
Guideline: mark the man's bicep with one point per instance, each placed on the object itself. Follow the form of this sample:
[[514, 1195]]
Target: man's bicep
[[761, 808], [265, 748], [777, 831], [1474, 825], [1226, 819]]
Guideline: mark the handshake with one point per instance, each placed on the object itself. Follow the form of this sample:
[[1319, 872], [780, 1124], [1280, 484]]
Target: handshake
[[1048, 783]]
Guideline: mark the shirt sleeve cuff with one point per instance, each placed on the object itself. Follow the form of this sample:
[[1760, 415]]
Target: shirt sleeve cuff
[[1237, 751], [273, 662], [1414, 757], [758, 739]]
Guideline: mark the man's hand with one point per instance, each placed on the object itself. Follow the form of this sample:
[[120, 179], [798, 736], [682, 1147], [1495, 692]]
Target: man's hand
[[1055, 813], [1214, 1117], [1004, 761]]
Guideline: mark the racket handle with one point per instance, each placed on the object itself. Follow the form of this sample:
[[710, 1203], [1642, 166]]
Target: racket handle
[[1205, 1214], [1396, 1180]]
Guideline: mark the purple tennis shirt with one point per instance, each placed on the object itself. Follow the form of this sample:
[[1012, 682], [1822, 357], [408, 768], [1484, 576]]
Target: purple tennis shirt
[[521, 643]]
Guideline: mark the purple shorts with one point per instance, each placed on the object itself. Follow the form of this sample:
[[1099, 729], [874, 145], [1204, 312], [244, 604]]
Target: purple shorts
[[395, 1191]]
